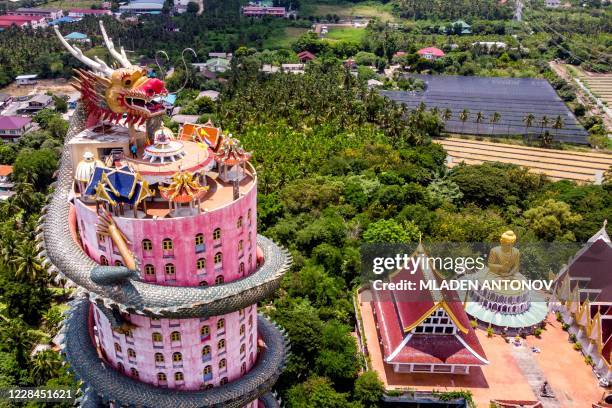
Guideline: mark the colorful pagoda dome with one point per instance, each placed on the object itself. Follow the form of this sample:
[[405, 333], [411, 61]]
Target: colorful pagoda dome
[[86, 167], [231, 152], [183, 189], [164, 147]]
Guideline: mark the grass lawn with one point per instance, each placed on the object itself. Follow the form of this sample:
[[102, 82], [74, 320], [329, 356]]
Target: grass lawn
[[284, 38], [346, 34], [68, 4], [368, 9]]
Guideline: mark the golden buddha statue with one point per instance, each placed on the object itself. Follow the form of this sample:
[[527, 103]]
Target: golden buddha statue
[[504, 259]]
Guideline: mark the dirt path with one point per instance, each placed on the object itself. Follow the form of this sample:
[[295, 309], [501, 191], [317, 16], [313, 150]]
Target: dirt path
[[582, 97]]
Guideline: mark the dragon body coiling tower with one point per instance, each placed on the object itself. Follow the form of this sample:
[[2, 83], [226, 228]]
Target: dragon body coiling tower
[[159, 234]]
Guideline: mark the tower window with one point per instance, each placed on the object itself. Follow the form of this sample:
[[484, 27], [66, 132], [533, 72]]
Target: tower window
[[170, 270], [203, 283], [147, 245], [103, 260], [201, 264], [205, 350], [178, 376], [177, 357], [149, 270], [220, 324], [204, 331], [221, 344], [161, 377], [175, 336], [219, 280], [222, 364], [159, 358], [218, 258], [117, 348], [242, 329], [157, 337], [217, 234], [239, 223], [131, 353], [207, 370], [199, 239], [167, 244]]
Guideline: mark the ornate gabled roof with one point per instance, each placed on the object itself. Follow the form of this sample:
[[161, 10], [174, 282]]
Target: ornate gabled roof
[[118, 186], [183, 189], [231, 152], [399, 312], [206, 133]]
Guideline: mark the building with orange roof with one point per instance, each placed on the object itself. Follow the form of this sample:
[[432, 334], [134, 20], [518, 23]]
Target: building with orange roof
[[6, 185]]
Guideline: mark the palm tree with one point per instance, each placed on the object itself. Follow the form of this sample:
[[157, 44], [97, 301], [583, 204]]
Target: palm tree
[[435, 111], [45, 365], [447, 115], [558, 124], [26, 263], [495, 117], [544, 123], [528, 121], [479, 118], [463, 117]]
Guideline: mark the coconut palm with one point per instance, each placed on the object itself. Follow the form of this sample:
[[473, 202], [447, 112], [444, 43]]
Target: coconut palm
[[463, 117], [435, 111], [495, 117], [447, 114], [528, 121], [479, 118], [544, 121], [558, 124], [45, 365], [25, 262]]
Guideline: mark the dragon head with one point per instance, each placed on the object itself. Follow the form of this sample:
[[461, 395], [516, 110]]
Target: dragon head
[[125, 93], [132, 91]]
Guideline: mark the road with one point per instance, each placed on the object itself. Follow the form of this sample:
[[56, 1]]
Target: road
[[581, 95]]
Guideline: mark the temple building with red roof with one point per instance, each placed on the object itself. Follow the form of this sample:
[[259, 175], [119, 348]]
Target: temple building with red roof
[[583, 296], [423, 331]]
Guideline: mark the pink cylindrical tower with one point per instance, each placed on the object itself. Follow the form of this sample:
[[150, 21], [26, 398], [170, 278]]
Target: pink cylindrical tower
[[159, 233]]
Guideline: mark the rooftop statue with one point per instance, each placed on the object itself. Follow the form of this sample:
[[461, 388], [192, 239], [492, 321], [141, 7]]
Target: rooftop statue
[[125, 93]]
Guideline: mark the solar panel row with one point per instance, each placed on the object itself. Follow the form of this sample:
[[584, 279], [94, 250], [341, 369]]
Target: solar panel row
[[512, 98]]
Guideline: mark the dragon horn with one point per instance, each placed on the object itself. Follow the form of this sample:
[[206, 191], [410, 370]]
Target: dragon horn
[[98, 65], [119, 56]]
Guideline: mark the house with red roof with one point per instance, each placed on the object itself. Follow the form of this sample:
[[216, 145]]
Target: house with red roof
[[430, 53], [7, 21], [583, 296], [422, 330], [13, 127], [306, 56]]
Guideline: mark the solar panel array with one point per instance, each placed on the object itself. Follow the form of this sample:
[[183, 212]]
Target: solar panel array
[[512, 98]]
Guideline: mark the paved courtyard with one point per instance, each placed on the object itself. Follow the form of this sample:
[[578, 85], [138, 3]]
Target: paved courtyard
[[507, 376]]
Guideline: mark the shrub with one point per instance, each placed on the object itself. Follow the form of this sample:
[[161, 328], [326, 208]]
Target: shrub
[[538, 332], [565, 326], [577, 346], [474, 324], [490, 332], [572, 338]]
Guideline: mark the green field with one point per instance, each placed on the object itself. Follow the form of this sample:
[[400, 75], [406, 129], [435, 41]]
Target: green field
[[346, 34], [284, 38], [369, 9], [68, 4]]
